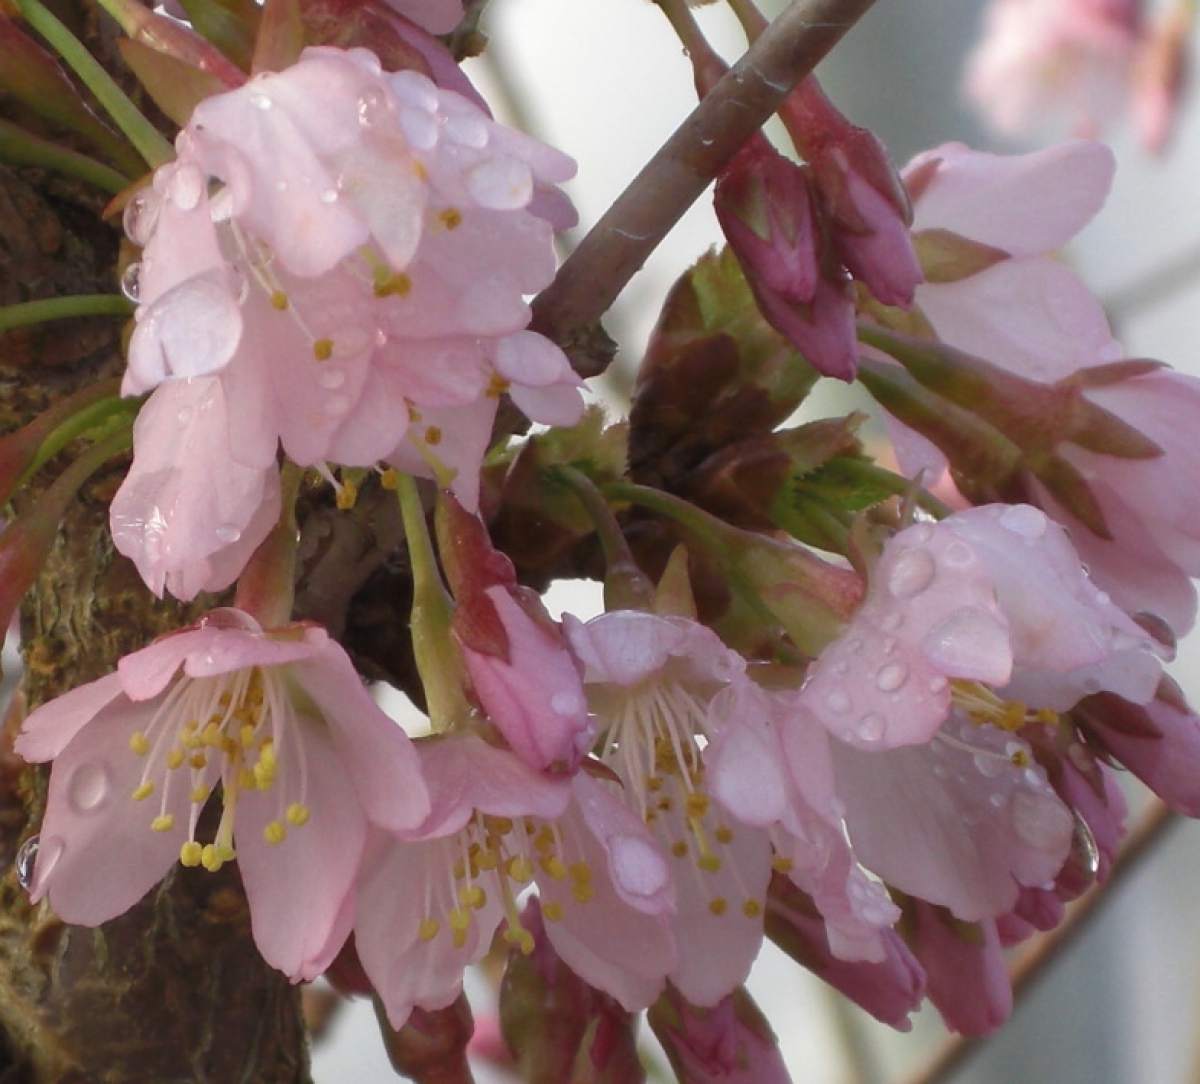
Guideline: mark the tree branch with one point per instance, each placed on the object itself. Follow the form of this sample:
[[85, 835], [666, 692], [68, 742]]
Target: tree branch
[[617, 246], [1151, 830]]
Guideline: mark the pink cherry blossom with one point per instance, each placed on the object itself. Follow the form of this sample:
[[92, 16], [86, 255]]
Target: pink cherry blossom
[[365, 263], [1158, 741], [729, 1043], [663, 685], [520, 669], [1068, 59], [1030, 314], [994, 596], [203, 489], [889, 989], [281, 721], [429, 901], [967, 973]]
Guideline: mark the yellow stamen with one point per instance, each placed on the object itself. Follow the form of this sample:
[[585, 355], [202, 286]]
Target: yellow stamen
[[472, 896], [428, 929], [274, 832], [175, 758], [347, 495], [322, 349], [781, 865], [552, 911], [143, 791], [190, 853], [520, 869], [451, 218], [390, 479], [199, 793], [724, 834], [709, 862], [679, 849], [279, 300], [718, 906], [697, 804], [397, 285], [298, 814], [139, 743], [162, 823], [211, 858], [752, 908]]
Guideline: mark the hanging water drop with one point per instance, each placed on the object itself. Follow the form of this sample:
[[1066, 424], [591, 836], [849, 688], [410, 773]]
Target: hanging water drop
[[131, 281]]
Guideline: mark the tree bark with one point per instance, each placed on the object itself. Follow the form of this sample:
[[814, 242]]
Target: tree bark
[[172, 991]]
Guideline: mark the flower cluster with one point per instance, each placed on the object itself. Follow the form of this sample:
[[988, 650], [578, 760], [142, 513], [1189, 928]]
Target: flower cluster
[[894, 757], [336, 263]]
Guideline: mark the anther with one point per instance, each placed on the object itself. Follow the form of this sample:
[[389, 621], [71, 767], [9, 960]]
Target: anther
[[451, 218], [697, 804], [552, 911], [175, 758], [139, 743], [346, 496], [211, 858], [397, 285], [143, 791], [718, 906], [520, 869], [724, 834], [162, 823], [199, 793], [433, 435], [274, 832], [190, 854], [679, 849], [428, 929], [781, 865], [279, 300], [752, 908], [322, 349], [390, 479], [298, 814], [709, 862]]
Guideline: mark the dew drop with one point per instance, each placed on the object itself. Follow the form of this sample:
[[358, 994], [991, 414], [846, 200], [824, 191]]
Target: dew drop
[[958, 555], [373, 108], [186, 186], [837, 701], [912, 572], [637, 866], [131, 281], [331, 378], [184, 416], [228, 533], [330, 195], [1040, 820], [381, 337], [891, 677], [261, 101], [871, 727], [141, 216], [26, 857], [1024, 520], [940, 771], [565, 703], [937, 684], [968, 643], [998, 800], [90, 787]]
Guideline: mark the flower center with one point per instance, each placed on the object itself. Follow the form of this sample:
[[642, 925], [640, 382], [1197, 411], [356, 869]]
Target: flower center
[[234, 729]]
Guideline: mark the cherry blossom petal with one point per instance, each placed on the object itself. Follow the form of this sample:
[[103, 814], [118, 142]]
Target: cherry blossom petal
[[47, 730]]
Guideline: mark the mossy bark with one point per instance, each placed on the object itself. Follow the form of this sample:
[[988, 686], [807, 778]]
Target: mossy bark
[[173, 990]]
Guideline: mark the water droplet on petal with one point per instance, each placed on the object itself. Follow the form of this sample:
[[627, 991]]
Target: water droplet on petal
[[131, 281], [998, 800], [381, 337], [989, 765], [637, 866], [871, 727], [566, 703], [141, 216], [186, 186], [26, 857], [1025, 520], [912, 572], [330, 195], [184, 416], [837, 701], [937, 684], [891, 677], [90, 787], [373, 108], [261, 101], [331, 378], [940, 771], [958, 555], [970, 643], [228, 533], [1040, 820]]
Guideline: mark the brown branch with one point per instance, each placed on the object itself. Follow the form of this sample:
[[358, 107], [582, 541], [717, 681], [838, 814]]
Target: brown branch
[[617, 246], [1151, 830]]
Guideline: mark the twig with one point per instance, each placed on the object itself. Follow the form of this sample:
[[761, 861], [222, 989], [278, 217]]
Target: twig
[[1035, 964], [617, 246]]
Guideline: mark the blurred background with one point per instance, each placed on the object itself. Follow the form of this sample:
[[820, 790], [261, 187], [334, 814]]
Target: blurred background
[[605, 80]]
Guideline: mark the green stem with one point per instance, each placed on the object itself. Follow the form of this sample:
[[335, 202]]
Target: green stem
[[90, 417], [61, 308], [438, 660], [899, 485], [150, 143], [626, 587], [21, 148]]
